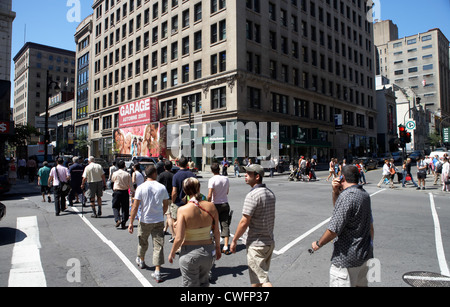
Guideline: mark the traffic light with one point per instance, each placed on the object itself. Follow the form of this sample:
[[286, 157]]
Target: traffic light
[[408, 137], [402, 135]]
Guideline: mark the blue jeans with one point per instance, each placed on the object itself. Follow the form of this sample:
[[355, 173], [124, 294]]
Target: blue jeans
[[362, 177], [404, 179]]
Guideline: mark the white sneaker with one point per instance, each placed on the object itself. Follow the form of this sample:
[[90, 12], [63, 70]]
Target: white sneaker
[[140, 263], [157, 276]]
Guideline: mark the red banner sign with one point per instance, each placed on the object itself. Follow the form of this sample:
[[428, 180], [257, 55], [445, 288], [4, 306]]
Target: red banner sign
[[4, 127], [139, 112]]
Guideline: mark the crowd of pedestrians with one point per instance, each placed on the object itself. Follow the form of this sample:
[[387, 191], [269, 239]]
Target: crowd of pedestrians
[[171, 204]]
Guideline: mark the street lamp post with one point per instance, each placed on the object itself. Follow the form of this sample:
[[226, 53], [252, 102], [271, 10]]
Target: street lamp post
[[47, 134], [188, 103]]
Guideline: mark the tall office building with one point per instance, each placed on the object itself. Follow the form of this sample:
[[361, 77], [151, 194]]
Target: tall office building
[[300, 63], [7, 17], [419, 62], [83, 40], [30, 80]]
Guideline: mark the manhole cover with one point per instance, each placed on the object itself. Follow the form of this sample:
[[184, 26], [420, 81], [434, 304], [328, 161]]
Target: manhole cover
[[426, 279]]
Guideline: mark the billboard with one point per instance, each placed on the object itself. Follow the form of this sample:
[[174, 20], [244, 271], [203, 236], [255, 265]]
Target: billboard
[[138, 113], [144, 140]]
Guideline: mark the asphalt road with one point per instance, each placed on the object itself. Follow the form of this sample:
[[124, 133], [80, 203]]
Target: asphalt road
[[77, 251]]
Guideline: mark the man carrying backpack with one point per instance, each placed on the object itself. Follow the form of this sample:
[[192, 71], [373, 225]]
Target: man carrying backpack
[[437, 169]]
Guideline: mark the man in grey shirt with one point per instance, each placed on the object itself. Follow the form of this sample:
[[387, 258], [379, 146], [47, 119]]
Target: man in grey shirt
[[258, 215], [352, 224]]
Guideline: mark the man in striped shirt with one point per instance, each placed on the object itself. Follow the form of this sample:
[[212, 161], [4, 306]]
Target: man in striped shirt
[[258, 215]]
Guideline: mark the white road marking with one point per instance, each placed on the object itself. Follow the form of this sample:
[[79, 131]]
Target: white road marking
[[427, 278], [303, 236], [26, 267], [438, 237], [117, 251]]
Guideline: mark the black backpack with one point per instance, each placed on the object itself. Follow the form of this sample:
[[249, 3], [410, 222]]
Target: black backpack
[[439, 167]]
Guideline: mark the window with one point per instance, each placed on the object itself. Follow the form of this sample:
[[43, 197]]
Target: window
[[185, 43], [198, 12], [397, 45], [169, 108], [254, 97], [197, 40], [174, 78], [219, 98], [107, 123], [412, 69], [197, 69], [411, 41], [426, 38], [428, 67], [280, 103], [185, 73]]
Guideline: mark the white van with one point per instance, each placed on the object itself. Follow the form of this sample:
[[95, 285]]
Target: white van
[[440, 154]]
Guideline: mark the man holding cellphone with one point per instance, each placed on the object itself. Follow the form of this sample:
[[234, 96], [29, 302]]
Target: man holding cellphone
[[352, 225]]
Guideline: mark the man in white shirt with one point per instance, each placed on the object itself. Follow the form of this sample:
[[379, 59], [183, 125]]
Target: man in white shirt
[[58, 174], [95, 177], [154, 201], [386, 174], [218, 188]]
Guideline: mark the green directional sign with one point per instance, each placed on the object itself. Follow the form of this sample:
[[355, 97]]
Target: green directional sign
[[446, 137]]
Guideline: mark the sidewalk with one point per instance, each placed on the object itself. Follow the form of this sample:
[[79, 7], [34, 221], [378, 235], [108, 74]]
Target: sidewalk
[[21, 189]]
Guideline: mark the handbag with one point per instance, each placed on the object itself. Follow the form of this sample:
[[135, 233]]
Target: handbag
[[64, 187]]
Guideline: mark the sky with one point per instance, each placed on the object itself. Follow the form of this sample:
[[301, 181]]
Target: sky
[[54, 22]]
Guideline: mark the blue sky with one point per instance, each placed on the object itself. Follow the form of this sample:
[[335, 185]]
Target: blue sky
[[414, 16]]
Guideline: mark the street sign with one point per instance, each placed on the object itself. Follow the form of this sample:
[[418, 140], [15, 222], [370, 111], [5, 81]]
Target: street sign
[[4, 127], [446, 137], [411, 125], [39, 122]]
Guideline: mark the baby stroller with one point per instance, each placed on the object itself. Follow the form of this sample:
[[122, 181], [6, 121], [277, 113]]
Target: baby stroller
[[293, 174]]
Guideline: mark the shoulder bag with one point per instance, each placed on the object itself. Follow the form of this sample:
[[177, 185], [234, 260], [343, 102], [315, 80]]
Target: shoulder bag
[[64, 187]]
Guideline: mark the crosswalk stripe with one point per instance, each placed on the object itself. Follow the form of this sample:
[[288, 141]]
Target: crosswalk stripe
[[26, 267]]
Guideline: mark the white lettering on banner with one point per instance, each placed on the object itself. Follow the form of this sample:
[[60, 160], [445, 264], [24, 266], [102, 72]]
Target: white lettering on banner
[[135, 107]]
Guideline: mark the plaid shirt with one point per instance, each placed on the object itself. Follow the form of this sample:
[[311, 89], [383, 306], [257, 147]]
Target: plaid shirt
[[351, 221]]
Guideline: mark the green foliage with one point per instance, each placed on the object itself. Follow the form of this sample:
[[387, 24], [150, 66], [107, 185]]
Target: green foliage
[[22, 133]]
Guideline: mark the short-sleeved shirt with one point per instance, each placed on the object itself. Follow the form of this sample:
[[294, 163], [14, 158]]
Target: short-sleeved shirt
[[44, 173], [76, 174], [259, 204], [351, 221], [165, 178], [177, 182], [93, 172], [220, 186], [63, 174], [122, 180], [151, 195]]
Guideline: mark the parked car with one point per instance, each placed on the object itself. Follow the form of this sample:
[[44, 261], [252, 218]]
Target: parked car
[[415, 155], [369, 163], [397, 156]]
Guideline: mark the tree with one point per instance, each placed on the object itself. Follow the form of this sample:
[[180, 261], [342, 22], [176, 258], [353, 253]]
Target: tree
[[81, 144], [435, 139], [22, 133]]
